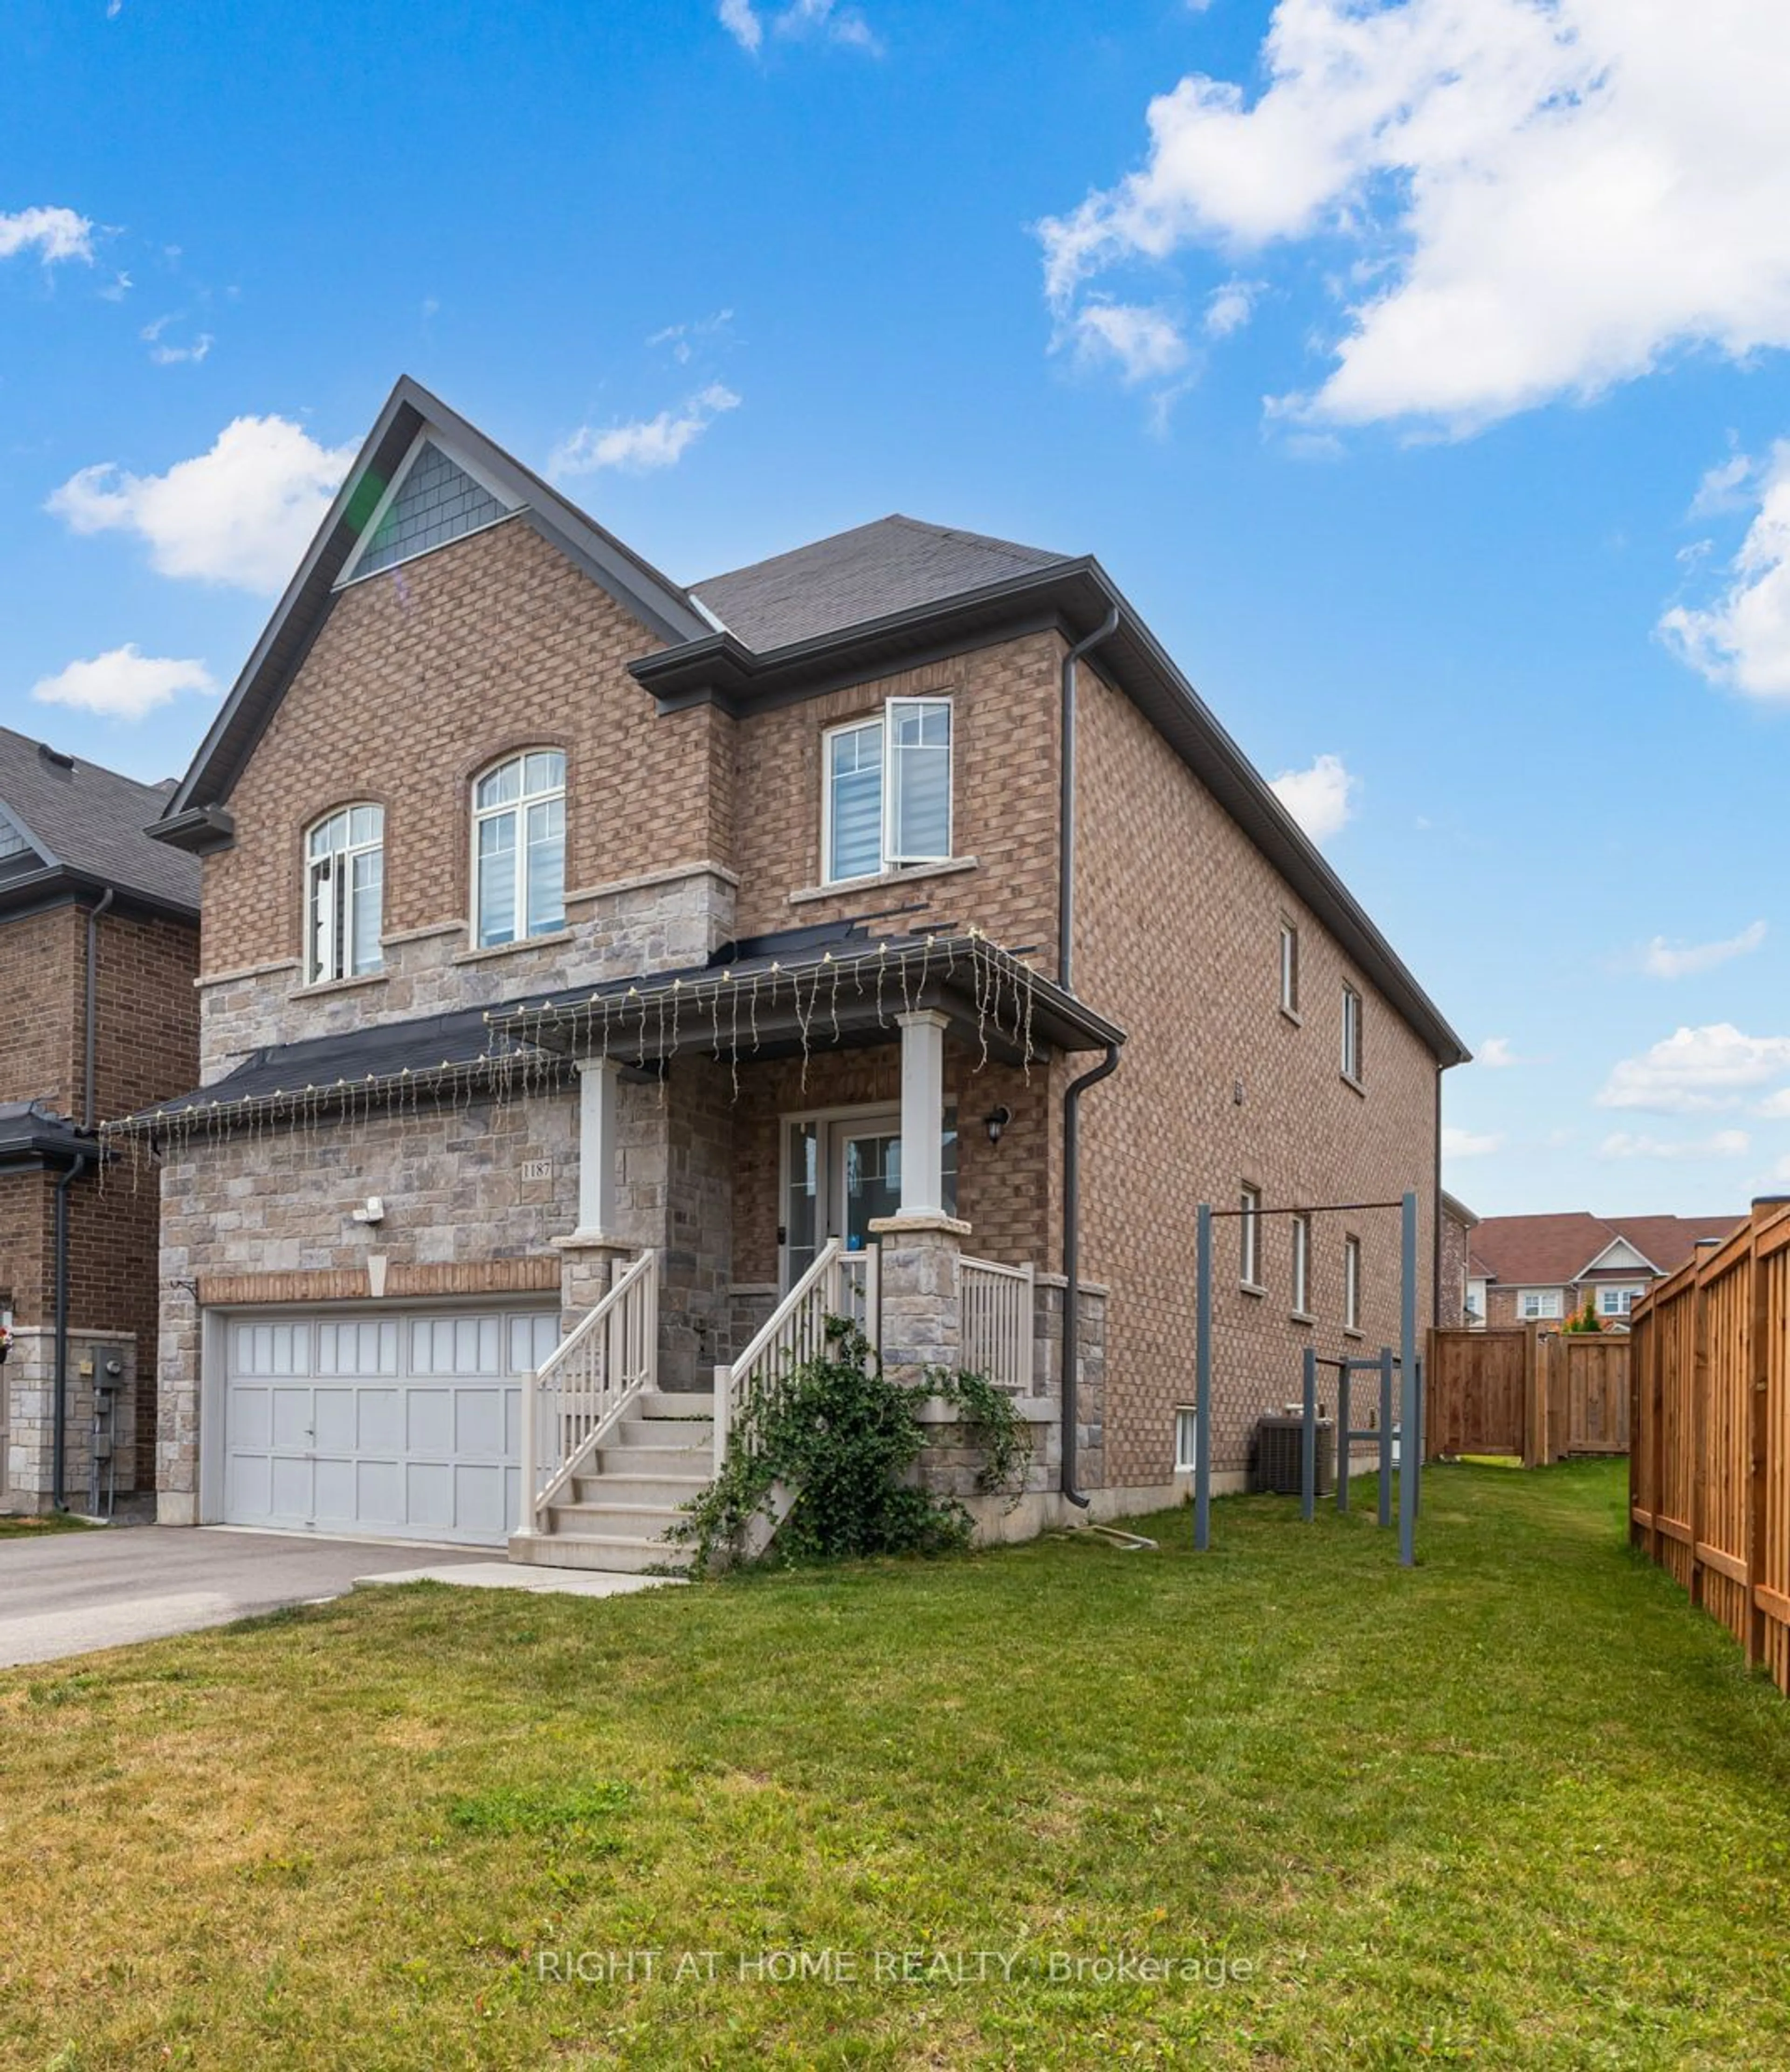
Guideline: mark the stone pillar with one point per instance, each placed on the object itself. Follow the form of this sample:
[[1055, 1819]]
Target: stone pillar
[[588, 1267], [922, 1114], [922, 1321], [178, 1381]]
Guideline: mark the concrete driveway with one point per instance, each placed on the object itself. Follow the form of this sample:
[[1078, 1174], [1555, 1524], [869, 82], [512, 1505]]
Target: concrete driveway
[[73, 1591]]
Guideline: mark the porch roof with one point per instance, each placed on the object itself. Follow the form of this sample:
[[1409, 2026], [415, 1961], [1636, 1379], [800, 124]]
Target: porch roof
[[825, 987]]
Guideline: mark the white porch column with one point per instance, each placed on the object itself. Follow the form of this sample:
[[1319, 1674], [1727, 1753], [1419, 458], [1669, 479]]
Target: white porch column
[[598, 1149], [922, 1113]]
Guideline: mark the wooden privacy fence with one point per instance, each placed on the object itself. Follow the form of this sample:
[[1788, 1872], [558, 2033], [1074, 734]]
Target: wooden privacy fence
[[1708, 1476], [1539, 1395]]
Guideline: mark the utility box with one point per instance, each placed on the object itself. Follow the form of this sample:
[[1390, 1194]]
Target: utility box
[[1279, 1456]]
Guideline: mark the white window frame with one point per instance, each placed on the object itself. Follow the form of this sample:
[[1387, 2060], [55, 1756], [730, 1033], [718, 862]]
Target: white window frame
[[1539, 1306], [1351, 1283], [329, 948], [1354, 1031], [891, 857], [1618, 1302], [1186, 1438], [1289, 968], [1249, 1225], [1302, 1265], [518, 808]]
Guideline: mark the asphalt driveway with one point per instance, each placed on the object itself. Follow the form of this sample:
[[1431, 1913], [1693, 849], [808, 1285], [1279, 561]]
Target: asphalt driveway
[[71, 1592]]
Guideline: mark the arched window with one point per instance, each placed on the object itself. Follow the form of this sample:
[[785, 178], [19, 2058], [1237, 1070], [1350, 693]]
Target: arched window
[[344, 889], [518, 849]]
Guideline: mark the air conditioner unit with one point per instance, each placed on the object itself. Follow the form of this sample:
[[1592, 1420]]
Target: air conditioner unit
[[1279, 1456]]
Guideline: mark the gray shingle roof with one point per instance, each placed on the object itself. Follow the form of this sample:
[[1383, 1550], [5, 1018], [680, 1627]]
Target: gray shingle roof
[[890, 565], [92, 820]]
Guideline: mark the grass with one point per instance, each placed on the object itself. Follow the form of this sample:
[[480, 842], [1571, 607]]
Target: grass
[[1522, 1807], [14, 1527]]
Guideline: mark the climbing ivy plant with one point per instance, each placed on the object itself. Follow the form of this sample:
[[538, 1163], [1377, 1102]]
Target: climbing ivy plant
[[840, 1439]]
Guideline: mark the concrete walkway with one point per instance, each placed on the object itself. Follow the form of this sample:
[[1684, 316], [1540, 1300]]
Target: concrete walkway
[[71, 1592], [517, 1576]]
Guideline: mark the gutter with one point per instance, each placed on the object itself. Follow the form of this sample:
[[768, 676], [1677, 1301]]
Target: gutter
[[1073, 1093]]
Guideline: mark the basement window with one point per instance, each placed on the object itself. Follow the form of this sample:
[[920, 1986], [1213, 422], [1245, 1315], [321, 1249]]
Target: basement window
[[1186, 1440]]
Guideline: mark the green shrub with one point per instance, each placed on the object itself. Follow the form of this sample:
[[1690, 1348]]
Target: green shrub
[[844, 1438]]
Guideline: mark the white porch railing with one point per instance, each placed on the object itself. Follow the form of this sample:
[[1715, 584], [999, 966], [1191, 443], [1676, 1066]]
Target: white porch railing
[[996, 1312], [580, 1391], [839, 1283]]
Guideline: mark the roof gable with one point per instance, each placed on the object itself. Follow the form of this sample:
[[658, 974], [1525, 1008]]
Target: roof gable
[[412, 421], [1555, 1251]]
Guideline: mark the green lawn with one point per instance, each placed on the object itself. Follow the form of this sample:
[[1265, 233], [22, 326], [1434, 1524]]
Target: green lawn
[[13, 1526], [1522, 1807]]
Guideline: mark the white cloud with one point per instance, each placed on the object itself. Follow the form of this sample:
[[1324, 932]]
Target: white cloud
[[1776, 1107], [645, 443], [1496, 1054], [1693, 1070], [166, 355], [1321, 799], [1663, 960], [120, 287], [1742, 637], [740, 20], [823, 20], [1230, 307], [124, 683], [1145, 344], [684, 338], [1724, 1144], [54, 234], [1540, 198], [242, 514], [1468, 1144]]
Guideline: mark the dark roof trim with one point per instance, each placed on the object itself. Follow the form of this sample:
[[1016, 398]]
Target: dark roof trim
[[201, 831], [33, 1137], [658, 603], [37, 891], [1076, 596]]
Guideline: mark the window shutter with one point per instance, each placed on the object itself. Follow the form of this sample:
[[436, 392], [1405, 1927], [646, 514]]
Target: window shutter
[[917, 792]]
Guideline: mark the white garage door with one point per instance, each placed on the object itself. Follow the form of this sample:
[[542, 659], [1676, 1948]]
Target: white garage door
[[402, 1425]]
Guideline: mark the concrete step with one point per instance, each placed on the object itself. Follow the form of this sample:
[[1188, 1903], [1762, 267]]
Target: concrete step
[[654, 1487], [611, 1517], [648, 1454], [680, 1434], [673, 1403], [590, 1550]]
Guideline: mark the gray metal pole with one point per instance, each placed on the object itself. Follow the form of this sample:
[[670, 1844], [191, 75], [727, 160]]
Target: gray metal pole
[[1422, 1454], [1308, 1459], [1386, 1435], [1408, 1465], [1203, 1385], [1345, 1452]]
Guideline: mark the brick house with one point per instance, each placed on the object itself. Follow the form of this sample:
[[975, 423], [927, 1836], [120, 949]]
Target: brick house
[[1543, 1269], [580, 946], [1454, 1264], [99, 944]]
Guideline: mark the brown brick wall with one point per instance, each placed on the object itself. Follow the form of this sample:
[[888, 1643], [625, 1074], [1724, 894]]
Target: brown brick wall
[[1004, 724], [420, 678], [25, 1227], [1451, 1288], [1177, 939], [41, 955]]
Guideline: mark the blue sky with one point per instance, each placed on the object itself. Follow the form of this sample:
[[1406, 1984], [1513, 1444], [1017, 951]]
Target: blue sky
[[1417, 369]]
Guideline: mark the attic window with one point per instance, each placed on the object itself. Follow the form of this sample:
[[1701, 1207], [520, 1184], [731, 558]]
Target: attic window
[[436, 501]]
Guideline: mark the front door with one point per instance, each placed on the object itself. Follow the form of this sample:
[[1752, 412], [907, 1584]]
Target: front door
[[841, 1173]]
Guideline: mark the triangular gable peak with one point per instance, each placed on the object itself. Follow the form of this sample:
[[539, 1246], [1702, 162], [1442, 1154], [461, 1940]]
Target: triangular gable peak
[[424, 470], [1620, 1257], [436, 497]]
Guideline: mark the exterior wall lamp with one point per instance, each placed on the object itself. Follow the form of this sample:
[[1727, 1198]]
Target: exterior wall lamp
[[996, 1121]]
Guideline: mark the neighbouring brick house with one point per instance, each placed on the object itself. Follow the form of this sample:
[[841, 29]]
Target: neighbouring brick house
[[560, 921], [1454, 1264], [1542, 1269], [79, 879]]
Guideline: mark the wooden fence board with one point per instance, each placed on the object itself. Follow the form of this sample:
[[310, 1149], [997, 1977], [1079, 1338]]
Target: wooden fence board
[[1710, 1406]]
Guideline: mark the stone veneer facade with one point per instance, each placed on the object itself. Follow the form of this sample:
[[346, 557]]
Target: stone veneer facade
[[688, 828]]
